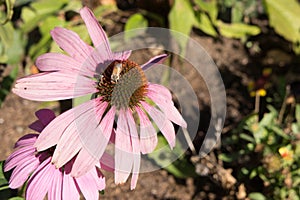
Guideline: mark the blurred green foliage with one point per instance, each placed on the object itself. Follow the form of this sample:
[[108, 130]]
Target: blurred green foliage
[[12, 44], [134, 21], [7, 83], [284, 18], [203, 15], [6, 15], [233, 18], [182, 19], [162, 156], [275, 145], [5, 191]]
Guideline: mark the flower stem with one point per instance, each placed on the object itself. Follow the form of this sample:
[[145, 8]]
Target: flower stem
[[189, 141], [4, 187], [257, 102], [283, 106]]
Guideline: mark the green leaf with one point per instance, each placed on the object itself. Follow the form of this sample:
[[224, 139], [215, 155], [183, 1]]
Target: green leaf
[[11, 44], [104, 9], [249, 121], [79, 100], [6, 84], [16, 198], [267, 120], [210, 7], [74, 5], [5, 17], [237, 12], [251, 146], [16, 50], [247, 137], [237, 30], [5, 191], [245, 171], [21, 2], [182, 19], [256, 196], [253, 174], [49, 23], [3, 180], [284, 18], [296, 47], [296, 128], [280, 132], [135, 21], [48, 6], [27, 14], [228, 3], [39, 11], [204, 24], [225, 157], [260, 135], [181, 167]]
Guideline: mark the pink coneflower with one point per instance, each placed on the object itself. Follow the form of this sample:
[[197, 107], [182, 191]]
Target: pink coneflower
[[44, 177], [122, 92]]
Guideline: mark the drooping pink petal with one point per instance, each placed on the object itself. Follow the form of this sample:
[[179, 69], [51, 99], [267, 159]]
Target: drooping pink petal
[[98, 178], [51, 135], [50, 86], [26, 140], [107, 162], [123, 150], [38, 183], [67, 147], [167, 107], [88, 186], [96, 32], [70, 42], [162, 122], [94, 138], [20, 155], [83, 163], [148, 135], [155, 60], [135, 142], [163, 91], [59, 62], [22, 172], [56, 186], [70, 189]]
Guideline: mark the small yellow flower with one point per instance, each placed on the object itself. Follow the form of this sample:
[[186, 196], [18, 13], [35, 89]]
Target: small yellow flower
[[262, 92], [286, 153]]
